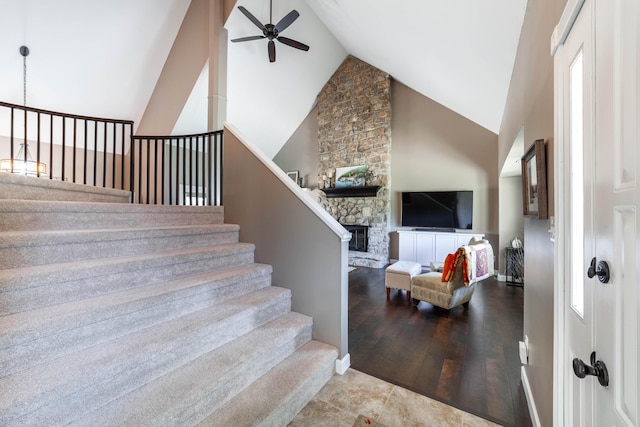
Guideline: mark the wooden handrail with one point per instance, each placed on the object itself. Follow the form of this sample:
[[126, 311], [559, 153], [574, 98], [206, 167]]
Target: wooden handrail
[[56, 113]]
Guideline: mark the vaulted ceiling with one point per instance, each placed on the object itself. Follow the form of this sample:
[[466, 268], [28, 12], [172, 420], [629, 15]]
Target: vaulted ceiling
[[92, 57], [104, 58], [460, 53]]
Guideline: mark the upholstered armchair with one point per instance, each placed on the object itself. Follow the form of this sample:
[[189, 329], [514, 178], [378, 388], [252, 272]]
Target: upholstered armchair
[[456, 284]]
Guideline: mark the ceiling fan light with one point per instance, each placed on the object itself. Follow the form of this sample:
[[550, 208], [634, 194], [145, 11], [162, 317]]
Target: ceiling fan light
[[272, 32]]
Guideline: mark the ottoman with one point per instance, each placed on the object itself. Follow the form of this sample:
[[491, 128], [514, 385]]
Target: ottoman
[[399, 274]]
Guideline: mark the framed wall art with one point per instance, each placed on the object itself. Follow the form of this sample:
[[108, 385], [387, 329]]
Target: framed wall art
[[351, 176], [293, 175], [534, 181]]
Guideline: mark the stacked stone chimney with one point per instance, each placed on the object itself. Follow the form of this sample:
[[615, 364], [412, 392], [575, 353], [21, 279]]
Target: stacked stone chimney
[[354, 128]]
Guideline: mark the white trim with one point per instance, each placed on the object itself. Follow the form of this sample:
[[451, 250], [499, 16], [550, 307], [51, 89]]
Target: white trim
[[559, 351], [343, 364], [533, 410], [295, 189], [561, 368], [568, 18]]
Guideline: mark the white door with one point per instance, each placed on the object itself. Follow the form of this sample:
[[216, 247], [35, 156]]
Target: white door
[[597, 213]]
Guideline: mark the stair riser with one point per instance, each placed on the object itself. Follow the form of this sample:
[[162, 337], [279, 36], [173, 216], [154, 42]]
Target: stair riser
[[209, 382], [24, 350], [102, 378], [62, 288], [31, 188], [35, 215], [30, 255], [29, 221]]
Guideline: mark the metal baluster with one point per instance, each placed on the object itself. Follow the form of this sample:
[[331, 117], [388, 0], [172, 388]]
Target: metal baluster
[[209, 175], [177, 171], [162, 167], [51, 146], [169, 181], [113, 157], [84, 156], [64, 137], [95, 153], [197, 170], [75, 147], [104, 156], [38, 146]]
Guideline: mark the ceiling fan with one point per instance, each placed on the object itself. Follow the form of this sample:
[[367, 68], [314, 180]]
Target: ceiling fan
[[271, 32]]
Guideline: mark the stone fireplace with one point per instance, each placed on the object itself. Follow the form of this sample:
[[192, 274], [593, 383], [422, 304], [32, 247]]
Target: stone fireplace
[[354, 128]]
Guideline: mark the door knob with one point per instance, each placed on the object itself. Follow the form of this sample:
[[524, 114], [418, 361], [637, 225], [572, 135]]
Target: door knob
[[598, 369], [601, 270]]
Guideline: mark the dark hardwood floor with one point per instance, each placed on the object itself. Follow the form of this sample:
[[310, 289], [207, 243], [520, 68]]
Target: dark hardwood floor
[[466, 358]]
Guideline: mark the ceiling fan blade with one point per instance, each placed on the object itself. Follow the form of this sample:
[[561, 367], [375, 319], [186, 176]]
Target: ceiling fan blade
[[293, 43], [246, 39], [287, 20], [271, 47], [251, 17]]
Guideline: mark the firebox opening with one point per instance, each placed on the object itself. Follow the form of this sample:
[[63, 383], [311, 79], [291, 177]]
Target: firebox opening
[[359, 237]]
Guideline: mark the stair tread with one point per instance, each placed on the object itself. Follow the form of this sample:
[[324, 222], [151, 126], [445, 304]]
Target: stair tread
[[23, 276], [192, 390], [285, 388], [159, 349], [35, 323], [58, 237]]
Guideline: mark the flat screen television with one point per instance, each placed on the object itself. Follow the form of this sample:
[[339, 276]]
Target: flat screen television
[[448, 210]]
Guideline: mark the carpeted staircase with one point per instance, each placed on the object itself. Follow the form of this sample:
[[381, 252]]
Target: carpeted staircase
[[143, 315]]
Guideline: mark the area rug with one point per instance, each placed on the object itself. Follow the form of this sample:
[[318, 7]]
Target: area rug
[[363, 421], [352, 269]]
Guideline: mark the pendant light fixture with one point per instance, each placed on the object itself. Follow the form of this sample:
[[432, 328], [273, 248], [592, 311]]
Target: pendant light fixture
[[22, 163]]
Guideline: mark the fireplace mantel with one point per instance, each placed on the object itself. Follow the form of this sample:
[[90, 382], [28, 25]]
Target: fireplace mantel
[[352, 191]]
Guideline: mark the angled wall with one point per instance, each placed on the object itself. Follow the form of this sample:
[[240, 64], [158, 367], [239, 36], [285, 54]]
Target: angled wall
[[184, 64]]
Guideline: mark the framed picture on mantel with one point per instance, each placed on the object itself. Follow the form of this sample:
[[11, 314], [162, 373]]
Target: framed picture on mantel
[[351, 176], [293, 175], [534, 181]]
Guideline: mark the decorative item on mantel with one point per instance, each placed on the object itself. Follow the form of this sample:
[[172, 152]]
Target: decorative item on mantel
[[293, 175], [350, 182], [351, 176]]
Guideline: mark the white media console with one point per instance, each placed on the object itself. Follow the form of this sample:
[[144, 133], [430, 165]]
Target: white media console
[[430, 246]]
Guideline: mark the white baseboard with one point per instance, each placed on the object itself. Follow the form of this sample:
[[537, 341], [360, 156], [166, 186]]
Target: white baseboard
[[502, 277], [533, 411], [343, 364]]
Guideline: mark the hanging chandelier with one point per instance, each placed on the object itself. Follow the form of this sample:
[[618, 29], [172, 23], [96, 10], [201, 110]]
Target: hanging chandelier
[[23, 164]]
